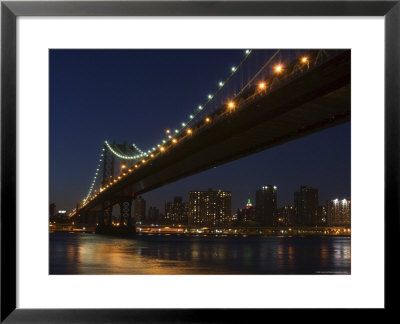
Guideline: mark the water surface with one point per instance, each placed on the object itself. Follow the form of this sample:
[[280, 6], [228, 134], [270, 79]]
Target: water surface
[[80, 253]]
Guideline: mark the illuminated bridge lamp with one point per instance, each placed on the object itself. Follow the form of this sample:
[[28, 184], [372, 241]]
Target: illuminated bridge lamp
[[174, 140], [208, 120], [278, 68], [162, 149], [231, 104], [136, 166], [123, 166], [262, 86], [168, 131], [304, 59], [189, 131], [151, 155], [143, 161]]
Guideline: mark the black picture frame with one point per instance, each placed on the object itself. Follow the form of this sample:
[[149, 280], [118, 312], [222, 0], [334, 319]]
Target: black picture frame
[[10, 10]]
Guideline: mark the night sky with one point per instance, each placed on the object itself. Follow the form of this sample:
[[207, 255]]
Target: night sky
[[135, 95]]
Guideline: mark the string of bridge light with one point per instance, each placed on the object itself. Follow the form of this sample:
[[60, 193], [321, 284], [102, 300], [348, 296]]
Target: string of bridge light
[[210, 97], [279, 68], [94, 178], [127, 157]]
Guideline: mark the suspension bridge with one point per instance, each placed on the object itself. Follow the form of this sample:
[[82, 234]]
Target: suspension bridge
[[269, 98]]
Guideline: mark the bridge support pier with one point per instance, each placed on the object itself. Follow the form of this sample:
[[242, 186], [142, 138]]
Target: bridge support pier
[[106, 217], [125, 206]]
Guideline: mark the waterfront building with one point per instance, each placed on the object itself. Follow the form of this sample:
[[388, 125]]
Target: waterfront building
[[176, 211], [153, 214], [247, 213], [139, 209], [266, 205], [339, 212], [52, 210], [323, 214], [285, 216], [209, 208], [306, 204]]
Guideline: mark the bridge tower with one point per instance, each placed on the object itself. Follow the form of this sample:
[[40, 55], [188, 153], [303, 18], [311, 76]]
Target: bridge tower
[[108, 176]]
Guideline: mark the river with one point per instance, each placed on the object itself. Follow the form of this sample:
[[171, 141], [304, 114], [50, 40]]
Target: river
[[83, 253]]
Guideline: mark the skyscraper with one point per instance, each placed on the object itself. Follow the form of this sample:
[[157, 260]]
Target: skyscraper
[[153, 214], [176, 211], [139, 209], [209, 208], [306, 204], [266, 205], [285, 216], [339, 212], [52, 210], [248, 213]]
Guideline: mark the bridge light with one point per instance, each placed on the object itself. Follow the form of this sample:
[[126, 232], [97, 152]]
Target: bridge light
[[208, 120], [231, 104], [168, 131], [209, 96], [262, 85], [304, 59], [247, 51], [189, 131], [119, 177], [162, 149], [233, 69], [174, 140], [221, 83], [136, 166], [123, 166], [169, 136], [183, 124], [191, 116], [163, 141], [200, 107], [143, 161], [151, 155], [278, 68]]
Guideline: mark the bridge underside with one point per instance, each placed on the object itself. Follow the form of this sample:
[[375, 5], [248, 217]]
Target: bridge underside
[[318, 100]]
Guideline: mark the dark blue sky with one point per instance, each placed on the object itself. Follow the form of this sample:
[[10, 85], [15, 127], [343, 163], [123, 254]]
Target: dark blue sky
[[135, 95]]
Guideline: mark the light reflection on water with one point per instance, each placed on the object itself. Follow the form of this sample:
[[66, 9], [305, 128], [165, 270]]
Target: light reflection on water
[[78, 253]]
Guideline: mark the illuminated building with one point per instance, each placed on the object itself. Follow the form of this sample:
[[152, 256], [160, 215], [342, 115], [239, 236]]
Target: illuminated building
[[306, 204], [209, 208], [285, 216], [248, 213], [266, 205], [176, 211], [339, 212], [322, 214], [139, 209]]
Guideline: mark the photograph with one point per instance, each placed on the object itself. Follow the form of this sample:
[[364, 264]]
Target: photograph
[[200, 161]]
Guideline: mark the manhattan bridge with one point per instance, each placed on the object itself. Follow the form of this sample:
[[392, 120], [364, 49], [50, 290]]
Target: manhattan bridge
[[269, 98]]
